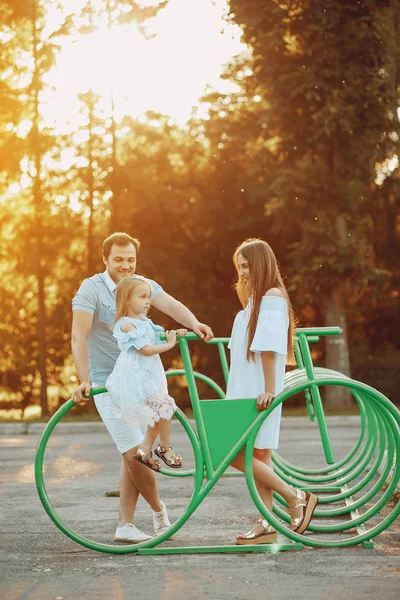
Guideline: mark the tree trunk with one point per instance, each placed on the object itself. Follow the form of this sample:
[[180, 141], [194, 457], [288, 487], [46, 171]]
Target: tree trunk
[[337, 350], [115, 219], [90, 180], [38, 203], [114, 204]]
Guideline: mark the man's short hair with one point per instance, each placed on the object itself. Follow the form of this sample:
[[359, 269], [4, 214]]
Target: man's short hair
[[118, 239]]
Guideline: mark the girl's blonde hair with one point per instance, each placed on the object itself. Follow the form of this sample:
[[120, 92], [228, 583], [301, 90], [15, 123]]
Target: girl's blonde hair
[[264, 275], [124, 291]]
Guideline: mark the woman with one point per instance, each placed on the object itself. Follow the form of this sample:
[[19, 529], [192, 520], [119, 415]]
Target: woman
[[261, 344]]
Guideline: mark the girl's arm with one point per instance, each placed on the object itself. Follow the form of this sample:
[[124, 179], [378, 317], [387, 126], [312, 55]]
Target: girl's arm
[[151, 349], [268, 362], [159, 348]]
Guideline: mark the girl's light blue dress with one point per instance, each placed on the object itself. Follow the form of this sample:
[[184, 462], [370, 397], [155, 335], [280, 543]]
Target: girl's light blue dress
[[138, 385]]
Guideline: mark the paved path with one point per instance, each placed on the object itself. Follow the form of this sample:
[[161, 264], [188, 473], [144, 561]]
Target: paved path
[[38, 562]]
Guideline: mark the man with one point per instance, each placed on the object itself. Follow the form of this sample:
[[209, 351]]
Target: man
[[95, 351]]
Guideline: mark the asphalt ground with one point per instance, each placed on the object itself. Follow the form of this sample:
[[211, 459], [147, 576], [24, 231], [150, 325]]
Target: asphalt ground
[[81, 464]]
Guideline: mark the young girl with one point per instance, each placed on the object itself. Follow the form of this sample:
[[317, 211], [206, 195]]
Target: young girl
[[138, 385], [261, 344]]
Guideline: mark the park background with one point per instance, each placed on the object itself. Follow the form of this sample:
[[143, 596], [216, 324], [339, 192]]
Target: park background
[[193, 125]]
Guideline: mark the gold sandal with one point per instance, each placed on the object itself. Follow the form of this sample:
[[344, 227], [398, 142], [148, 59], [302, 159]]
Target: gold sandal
[[262, 533], [301, 510], [144, 458], [175, 462]]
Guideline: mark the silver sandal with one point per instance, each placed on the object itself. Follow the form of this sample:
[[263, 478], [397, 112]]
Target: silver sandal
[[301, 510], [175, 462], [144, 458], [262, 533]]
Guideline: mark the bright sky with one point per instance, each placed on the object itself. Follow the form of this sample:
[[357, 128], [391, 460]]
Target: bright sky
[[166, 74]]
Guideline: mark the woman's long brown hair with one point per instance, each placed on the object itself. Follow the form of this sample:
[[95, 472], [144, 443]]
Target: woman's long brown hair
[[124, 290], [264, 275]]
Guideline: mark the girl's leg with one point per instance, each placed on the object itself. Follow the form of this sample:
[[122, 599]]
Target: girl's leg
[[144, 452], [165, 442], [165, 428], [149, 438]]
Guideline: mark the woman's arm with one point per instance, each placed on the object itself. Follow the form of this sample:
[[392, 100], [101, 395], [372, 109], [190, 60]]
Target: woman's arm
[[268, 362]]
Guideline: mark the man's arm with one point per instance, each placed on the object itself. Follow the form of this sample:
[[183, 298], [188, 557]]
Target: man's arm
[[178, 311], [81, 326]]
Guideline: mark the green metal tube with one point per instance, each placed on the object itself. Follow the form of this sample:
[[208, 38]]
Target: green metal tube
[[316, 397], [300, 363], [355, 505], [343, 475], [291, 469], [181, 373], [224, 361], [393, 417], [379, 437], [86, 542], [194, 397]]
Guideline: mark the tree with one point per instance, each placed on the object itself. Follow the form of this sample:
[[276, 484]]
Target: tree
[[33, 49], [325, 71], [114, 12]]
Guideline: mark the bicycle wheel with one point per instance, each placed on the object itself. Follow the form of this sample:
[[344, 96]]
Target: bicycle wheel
[[84, 541], [379, 489]]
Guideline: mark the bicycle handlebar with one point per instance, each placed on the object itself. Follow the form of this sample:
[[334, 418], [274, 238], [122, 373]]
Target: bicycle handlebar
[[309, 332]]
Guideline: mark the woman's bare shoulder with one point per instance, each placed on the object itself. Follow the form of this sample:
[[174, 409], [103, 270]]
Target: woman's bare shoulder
[[274, 292]]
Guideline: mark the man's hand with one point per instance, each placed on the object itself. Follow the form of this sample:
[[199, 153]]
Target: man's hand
[[77, 395], [203, 331], [264, 401]]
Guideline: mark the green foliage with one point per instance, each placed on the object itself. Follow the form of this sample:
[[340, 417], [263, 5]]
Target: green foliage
[[378, 366], [324, 70]]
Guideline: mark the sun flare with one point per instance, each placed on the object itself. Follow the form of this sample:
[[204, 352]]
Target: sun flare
[[187, 45]]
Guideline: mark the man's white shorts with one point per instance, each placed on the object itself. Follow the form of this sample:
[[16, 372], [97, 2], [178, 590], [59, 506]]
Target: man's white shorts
[[125, 435]]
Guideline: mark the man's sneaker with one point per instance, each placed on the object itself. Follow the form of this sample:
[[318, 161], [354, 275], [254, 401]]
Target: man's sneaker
[[129, 534], [160, 521]]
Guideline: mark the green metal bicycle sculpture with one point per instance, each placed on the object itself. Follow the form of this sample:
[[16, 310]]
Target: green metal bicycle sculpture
[[371, 469]]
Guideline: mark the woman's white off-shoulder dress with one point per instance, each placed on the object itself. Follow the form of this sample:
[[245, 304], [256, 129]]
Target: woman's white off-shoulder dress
[[246, 378]]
